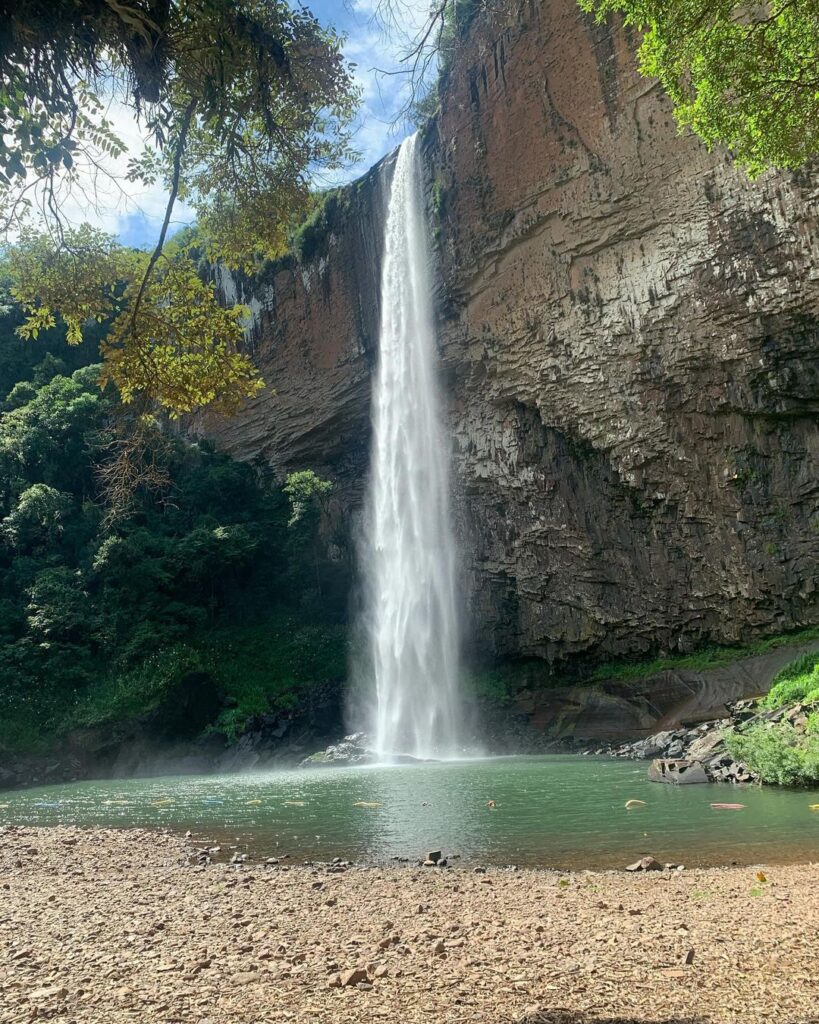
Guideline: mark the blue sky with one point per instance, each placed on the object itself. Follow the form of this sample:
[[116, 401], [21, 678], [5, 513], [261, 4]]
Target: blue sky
[[136, 219]]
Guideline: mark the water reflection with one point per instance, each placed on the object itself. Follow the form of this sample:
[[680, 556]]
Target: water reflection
[[553, 811]]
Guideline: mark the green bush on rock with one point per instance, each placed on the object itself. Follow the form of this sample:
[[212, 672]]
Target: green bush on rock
[[778, 754], [797, 682], [786, 752]]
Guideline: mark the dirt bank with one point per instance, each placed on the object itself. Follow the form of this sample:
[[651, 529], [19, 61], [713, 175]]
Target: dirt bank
[[104, 926]]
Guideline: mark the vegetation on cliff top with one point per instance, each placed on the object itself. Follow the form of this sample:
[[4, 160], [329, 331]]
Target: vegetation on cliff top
[[741, 74]]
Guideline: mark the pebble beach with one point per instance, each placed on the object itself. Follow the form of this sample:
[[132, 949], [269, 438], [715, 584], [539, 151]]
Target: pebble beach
[[129, 926]]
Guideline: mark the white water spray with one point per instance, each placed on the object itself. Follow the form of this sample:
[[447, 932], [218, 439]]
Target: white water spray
[[412, 614]]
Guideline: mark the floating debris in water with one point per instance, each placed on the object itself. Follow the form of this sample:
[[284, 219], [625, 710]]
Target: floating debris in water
[[161, 803], [630, 804], [253, 803], [294, 803], [491, 803], [364, 803], [728, 807]]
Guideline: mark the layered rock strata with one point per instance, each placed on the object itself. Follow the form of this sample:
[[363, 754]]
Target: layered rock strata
[[628, 333]]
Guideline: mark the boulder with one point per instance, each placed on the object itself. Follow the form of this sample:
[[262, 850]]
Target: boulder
[[354, 976], [351, 750], [704, 746], [645, 864]]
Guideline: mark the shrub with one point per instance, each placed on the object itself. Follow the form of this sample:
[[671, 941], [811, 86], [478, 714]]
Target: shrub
[[777, 754], [797, 682]]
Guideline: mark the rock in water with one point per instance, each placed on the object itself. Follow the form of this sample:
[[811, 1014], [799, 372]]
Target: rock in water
[[677, 772], [352, 749]]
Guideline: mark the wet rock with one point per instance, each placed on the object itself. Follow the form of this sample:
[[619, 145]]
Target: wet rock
[[352, 749]]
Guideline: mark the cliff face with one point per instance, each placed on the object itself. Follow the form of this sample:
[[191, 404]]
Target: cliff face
[[629, 336]]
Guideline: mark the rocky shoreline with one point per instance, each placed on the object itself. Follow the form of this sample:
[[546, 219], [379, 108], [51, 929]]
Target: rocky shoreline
[[699, 754], [103, 927]]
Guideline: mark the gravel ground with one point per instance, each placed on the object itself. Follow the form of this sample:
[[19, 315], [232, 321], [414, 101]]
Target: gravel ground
[[108, 926]]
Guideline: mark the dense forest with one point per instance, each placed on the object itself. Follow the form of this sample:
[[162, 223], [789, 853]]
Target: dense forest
[[205, 602]]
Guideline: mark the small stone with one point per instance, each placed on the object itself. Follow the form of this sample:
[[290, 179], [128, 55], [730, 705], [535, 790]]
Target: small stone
[[434, 856], [45, 994], [645, 864], [247, 977], [353, 976], [439, 947], [381, 971]]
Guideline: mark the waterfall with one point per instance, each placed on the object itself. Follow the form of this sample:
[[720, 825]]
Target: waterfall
[[410, 551]]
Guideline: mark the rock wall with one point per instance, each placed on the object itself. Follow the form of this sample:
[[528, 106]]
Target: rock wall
[[629, 335]]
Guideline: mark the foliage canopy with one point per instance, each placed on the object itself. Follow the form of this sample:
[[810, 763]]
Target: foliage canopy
[[199, 587], [239, 101], [741, 73]]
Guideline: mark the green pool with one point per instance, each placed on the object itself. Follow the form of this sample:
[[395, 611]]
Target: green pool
[[563, 812]]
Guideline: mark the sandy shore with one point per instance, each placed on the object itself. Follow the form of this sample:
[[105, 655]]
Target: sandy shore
[[104, 926]]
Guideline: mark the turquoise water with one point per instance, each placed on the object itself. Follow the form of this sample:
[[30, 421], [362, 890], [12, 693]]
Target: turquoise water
[[562, 812]]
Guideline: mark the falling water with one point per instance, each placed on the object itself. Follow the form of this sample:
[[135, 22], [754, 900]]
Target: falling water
[[413, 620]]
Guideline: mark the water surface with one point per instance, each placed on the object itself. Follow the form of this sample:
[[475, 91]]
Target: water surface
[[562, 812]]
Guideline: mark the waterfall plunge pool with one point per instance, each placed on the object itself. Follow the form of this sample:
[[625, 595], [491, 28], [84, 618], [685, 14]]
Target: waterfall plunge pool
[[552, 811]]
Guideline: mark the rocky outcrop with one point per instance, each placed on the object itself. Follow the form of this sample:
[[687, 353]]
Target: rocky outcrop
[[629, 337], [669, 702], [701, 754]]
